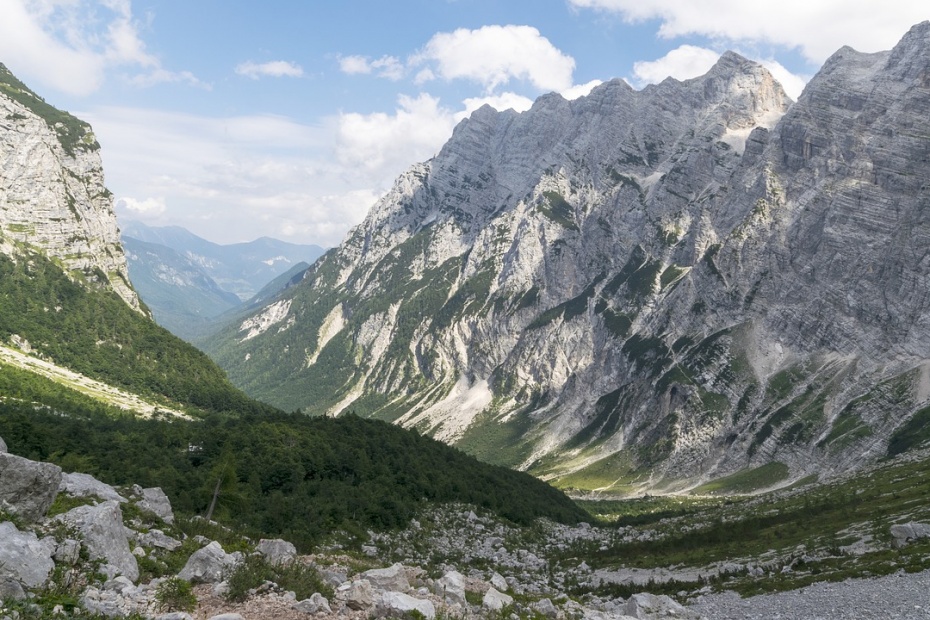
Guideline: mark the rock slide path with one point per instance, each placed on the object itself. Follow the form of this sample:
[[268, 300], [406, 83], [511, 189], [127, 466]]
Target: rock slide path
[[900, 596]]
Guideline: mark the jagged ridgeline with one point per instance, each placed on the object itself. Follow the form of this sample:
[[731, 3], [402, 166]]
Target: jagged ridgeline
[[89, 381], [639, 288]]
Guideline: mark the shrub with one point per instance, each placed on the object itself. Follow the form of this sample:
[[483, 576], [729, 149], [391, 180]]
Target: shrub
[[175, 594]]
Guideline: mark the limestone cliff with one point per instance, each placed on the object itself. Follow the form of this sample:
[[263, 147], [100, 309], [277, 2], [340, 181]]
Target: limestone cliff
[[52, 194], [657, 286]]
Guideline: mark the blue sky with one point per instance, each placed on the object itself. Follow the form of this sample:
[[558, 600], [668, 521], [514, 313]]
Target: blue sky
[[239, 119]]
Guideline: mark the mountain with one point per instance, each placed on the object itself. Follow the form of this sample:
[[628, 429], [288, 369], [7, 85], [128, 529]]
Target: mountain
[[89, 382], [68, 313], [52, 194], [240, 268], [182, 297], [639, 289]]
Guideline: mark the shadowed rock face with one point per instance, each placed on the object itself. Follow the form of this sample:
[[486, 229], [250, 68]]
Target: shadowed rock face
[[27, 488], [700, 275]]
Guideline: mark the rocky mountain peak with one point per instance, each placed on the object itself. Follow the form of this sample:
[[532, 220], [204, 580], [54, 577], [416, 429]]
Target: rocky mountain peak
[[52, 192], [693, 279]]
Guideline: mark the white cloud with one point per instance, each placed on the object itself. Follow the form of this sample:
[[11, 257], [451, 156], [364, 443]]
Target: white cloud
[[163, 76], [274, 68], [689, 61], [792, 83], [494, 55], [70, 45], [681, 63], [237, 178], [503, 101], [387, 66], [140, 208], [382, 145], [816, 28], [580, 90]]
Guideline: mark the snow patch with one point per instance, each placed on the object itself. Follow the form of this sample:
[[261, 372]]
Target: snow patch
[[260, 323]]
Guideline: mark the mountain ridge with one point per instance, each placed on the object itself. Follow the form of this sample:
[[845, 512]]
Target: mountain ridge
[[619, 281]]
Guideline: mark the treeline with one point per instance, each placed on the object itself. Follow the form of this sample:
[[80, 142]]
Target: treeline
[[95, 333], [279, 475]]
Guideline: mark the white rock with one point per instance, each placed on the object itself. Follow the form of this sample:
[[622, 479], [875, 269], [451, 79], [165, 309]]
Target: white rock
[[27, 488], [24, 557], [391, 578], [398, 601], [276, 551], [211, 564], [102, 532], [451, 587], [495, 601], [84, 485]]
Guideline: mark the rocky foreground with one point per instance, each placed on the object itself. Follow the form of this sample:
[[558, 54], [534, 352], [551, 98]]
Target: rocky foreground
[[108, 552]]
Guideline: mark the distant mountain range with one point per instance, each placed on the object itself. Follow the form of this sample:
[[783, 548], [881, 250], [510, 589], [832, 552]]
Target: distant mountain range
[[188, 282]]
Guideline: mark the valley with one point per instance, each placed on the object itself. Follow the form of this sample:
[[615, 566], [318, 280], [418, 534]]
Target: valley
[[643, 353]]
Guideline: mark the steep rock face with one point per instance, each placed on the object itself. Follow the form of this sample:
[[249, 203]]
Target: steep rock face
[[670, 284], [52, 194]]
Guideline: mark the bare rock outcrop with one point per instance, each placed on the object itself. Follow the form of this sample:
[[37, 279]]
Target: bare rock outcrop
[[27, 488]]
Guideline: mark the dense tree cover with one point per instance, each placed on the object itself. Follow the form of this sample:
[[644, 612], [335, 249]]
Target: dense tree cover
[[89, 329], [279, 474]]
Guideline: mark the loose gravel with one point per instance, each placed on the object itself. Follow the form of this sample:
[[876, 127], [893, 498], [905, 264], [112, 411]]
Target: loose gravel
[[900, 596]]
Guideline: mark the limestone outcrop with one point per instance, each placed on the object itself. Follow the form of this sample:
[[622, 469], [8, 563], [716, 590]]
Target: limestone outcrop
[[52, 192], [696, 279]]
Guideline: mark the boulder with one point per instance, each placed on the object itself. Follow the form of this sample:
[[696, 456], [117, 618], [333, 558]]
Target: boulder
[[451, 587], [175, 615], [333, 577], [907, 532], [101, 529], [209, 565], [2, 445], [495, 601], [11, 590], [27, 488], [392, 578], [157, 538], [545, 607], [645, 606], [498, 581], [67, 552], [314, 604], [227, 617], [23, 557], [155, 501], [276, 551], [403, 603], [85, 485], [359, 595]]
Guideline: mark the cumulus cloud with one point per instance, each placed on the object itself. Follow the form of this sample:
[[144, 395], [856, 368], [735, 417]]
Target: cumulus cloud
[[503, 101], [494, 55], [274, 68], [388, 67], [682, 63], [792, 23], [382, 145], [140, 208], [71, 45], [791, 82], [580, 90], [239, 177], [689, 61]]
